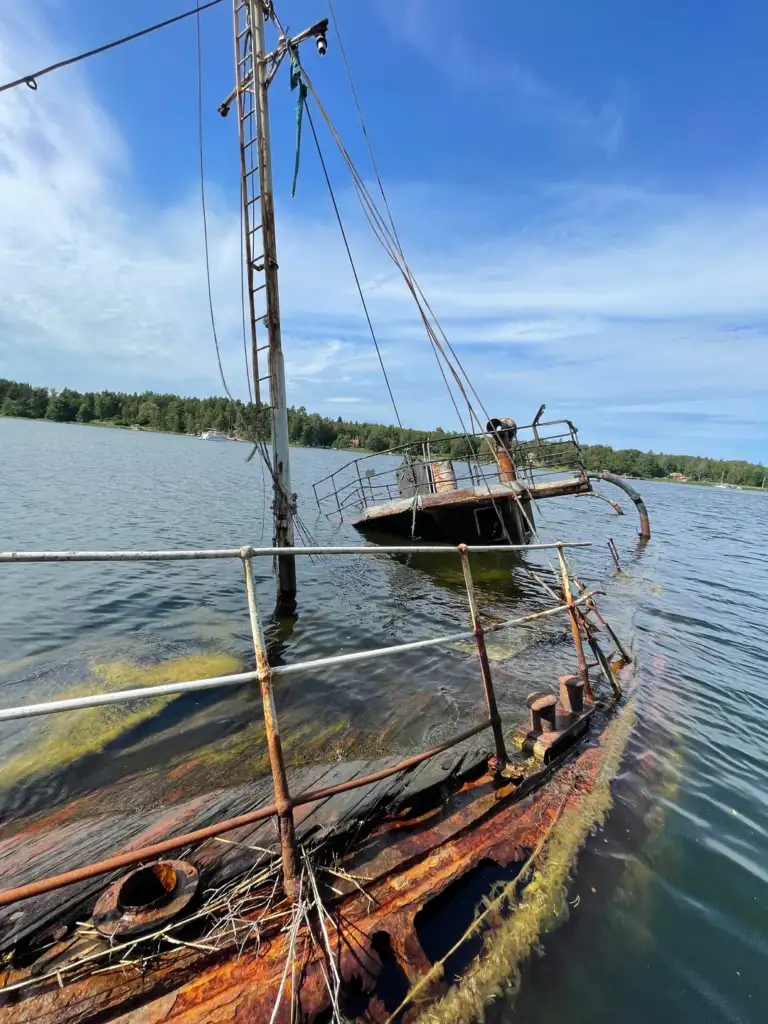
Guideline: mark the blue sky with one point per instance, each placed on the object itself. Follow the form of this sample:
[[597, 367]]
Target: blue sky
[[581, 190]]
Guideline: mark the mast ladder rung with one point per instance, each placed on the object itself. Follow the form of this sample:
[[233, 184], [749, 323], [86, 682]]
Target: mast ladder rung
[[259, 288], [262, 348], [255, 199], [267, 376]]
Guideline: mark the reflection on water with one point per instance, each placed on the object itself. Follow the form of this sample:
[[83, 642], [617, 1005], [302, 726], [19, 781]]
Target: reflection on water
[[669, 906]]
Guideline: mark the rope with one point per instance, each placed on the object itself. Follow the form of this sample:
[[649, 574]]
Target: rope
[[351, 261], [201, 155], [297, 83], [30, 80]]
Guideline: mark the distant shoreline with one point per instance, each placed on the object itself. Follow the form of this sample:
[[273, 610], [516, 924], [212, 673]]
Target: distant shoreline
[[365, 451], [175, 414]]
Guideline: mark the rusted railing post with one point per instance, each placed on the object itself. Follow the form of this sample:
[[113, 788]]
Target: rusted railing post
[[282, 795], [575, 630], [614, 553], [485, 668]]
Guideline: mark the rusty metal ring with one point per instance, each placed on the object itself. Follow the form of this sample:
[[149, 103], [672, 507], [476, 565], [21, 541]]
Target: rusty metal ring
[[145, 898]]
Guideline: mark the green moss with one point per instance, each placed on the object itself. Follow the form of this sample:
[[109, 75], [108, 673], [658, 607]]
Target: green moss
[[514, 935], [303, 743], [70, 735]]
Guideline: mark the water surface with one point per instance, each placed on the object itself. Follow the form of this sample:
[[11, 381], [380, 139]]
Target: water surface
[[670, 916]]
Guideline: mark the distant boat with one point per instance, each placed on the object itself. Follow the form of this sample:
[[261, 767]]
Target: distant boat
[[214, 435], [722, 484]]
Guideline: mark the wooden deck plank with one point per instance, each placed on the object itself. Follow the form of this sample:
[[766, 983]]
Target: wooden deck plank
[[440, 769]]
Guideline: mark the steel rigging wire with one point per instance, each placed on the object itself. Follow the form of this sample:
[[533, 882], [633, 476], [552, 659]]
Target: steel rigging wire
[[30, 80], [390, 241]]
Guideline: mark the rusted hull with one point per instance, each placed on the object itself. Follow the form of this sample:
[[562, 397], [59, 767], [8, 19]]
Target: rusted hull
[[458, 517], [407, 860]]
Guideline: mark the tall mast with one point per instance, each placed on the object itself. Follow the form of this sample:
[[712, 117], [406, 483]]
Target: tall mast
[[255, 69], [284, 502]]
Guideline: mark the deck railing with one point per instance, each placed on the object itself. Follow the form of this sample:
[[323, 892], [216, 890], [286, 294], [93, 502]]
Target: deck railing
[[539, 452], [284, 802]]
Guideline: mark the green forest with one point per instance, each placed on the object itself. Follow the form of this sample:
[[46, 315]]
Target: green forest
[[178, 415]]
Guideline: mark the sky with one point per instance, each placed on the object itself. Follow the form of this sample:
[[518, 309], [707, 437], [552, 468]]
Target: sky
[[581, 191]]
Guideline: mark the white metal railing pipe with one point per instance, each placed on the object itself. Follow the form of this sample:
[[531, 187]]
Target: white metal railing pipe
[[251, 552], [148, 692], [123, 696]]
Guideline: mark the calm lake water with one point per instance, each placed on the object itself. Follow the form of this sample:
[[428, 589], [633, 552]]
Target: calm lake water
[[670, 899]]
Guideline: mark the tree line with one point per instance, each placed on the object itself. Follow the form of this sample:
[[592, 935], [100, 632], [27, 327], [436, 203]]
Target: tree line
[[179, 415]]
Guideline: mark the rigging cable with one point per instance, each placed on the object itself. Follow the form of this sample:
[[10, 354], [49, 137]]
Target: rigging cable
[[391, 244], [394, 251], [363, 128], [201, 156], [380, 183], [30, 80], [351, 260]]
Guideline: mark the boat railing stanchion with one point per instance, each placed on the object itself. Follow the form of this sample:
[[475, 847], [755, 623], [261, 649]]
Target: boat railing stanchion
[[575, 628], [280, 780], [485, 668]]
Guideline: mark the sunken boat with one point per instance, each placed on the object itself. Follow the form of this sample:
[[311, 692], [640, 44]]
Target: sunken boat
[[477, 488], [465, 488], [315, 892]]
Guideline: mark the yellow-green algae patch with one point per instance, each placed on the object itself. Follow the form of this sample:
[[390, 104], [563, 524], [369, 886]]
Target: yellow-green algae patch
[[518, 922], [69, 735]]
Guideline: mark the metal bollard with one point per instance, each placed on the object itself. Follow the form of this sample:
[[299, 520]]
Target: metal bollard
[[571, 694], [543, 708]]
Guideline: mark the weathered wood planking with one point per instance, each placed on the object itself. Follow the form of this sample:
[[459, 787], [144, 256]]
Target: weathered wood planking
[[49, 847]]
